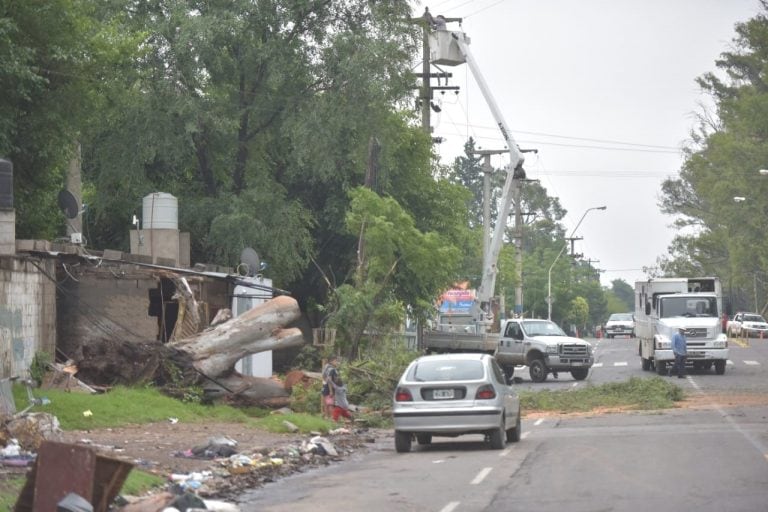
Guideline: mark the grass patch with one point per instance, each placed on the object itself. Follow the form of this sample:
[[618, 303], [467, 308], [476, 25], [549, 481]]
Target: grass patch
[[10, 488], [121, 406], [634, 394], [305, 422], [140, 482]]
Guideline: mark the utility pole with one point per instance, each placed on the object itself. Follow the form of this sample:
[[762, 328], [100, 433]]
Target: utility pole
[[572, 240], [425, 94], [487, 171]]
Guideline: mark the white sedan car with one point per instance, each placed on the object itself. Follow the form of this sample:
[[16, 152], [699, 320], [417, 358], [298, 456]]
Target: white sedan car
[[455, 394], [747, 324]]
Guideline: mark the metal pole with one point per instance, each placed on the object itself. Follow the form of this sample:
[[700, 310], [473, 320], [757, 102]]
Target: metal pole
[[565, 245]]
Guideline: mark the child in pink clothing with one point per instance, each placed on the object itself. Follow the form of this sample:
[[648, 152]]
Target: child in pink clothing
[[340, 403]]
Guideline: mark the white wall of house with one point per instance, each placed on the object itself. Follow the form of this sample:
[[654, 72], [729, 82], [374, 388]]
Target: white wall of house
[[27, 313]]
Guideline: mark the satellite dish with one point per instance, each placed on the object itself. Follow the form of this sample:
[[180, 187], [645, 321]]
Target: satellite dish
[[68, 204], [251, 261]]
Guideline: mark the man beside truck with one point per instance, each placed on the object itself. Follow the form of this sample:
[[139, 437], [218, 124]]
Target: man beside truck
[[680, 351], [663, 306]]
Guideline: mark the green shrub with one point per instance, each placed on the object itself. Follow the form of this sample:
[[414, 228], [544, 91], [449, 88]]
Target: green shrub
[[39, 366]]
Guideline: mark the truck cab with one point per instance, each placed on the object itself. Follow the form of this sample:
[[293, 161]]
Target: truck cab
[[544, 347]]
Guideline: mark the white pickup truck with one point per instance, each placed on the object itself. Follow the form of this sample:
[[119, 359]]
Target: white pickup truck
[[544, 348]]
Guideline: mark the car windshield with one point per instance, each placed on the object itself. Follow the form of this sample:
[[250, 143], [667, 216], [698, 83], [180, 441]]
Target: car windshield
[[621, 317], [687, 306], [445, 370], [754, 318], [542, 328]]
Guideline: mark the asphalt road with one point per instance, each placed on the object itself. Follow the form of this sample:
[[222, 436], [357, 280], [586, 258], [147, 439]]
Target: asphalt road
[[708, 459]]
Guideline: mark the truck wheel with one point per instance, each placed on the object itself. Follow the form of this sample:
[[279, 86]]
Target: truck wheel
[[580, 373], [720, 366], [661, 367], [497, 436], [645, 363], [402, 441], [513, 434], [538, 370], [424, 439]]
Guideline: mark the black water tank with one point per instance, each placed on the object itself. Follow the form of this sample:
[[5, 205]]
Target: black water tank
[[6, 184]]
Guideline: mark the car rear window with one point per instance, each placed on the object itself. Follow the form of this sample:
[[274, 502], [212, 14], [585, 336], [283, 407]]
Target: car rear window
[[448, 370]]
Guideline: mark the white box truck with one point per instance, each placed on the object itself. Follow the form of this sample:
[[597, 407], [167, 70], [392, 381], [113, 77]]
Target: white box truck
[[663, 305]]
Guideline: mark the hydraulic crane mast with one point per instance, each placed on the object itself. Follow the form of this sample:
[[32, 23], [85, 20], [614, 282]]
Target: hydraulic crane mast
[[481, 308]]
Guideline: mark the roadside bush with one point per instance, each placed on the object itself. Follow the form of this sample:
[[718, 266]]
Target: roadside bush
[[371, 380], [306, 399]]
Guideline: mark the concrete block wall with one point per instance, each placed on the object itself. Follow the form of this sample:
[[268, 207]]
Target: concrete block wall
[[27, 313], [97, 304]]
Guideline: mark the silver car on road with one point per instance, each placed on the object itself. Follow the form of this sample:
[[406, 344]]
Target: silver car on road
[[455, 394]]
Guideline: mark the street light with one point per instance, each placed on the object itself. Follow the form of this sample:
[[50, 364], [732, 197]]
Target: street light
[[549, 274]]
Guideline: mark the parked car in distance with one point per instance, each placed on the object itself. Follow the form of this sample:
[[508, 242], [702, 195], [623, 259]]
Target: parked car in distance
[[620, 324], [746, 325], [455, 394]]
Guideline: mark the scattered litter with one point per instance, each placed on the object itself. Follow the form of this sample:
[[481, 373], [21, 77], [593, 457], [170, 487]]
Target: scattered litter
[[217, 447], [191, 481], [173, 420], [220, 506], [87, 413], [290, 426], [322, 446], [12, 449]]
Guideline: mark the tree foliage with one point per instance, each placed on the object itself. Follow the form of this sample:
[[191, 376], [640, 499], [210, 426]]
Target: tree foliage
[[397, 265], [719, 235]]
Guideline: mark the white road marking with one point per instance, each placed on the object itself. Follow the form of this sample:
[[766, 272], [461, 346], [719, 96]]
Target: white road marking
[[754, 441], [505, 452], [481, 476], [438, 461], [597, 365], [752, 363], [524, 435], [450, 507], [538, 422], [729, 362], [621, 363]]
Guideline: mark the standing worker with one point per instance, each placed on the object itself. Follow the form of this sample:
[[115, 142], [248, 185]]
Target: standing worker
[[681, 352]]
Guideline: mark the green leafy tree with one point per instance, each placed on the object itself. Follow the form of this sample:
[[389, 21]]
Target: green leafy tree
[[624, 293], [578, 313], [720, 236], [398, 265], [53, 57]]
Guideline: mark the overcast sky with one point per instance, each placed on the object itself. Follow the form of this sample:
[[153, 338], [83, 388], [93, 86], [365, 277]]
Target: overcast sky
[[605, 90]]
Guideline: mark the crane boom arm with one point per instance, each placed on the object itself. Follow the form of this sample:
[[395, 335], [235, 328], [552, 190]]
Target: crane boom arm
[[488, 283]]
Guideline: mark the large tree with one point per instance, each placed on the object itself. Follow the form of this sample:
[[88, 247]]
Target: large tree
[[720, 198]]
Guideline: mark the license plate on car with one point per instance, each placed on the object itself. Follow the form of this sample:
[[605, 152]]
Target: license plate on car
[[442, 394]]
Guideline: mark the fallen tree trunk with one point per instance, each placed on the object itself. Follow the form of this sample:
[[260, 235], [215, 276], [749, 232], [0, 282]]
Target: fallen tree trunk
[[213, 353], [206, 358]]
